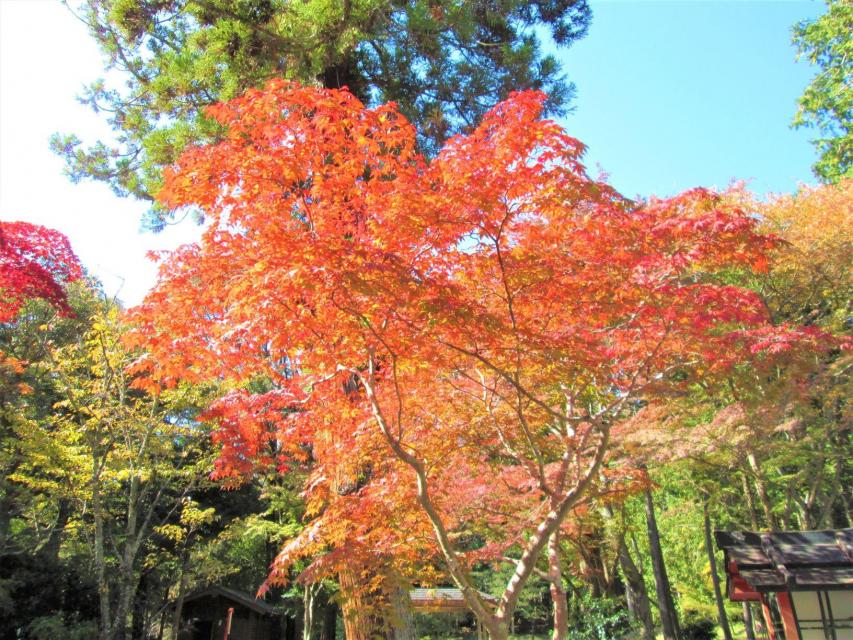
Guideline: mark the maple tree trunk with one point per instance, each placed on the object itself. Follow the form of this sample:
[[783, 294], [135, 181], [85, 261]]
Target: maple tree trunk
[[164, 610], [824, 519], [669, 619], [761, 487], [7, 499], [788, 518], [750, 501], [496, 627], [497, 623], [712, 560], [127, 579], [558, 593], [636, 594]]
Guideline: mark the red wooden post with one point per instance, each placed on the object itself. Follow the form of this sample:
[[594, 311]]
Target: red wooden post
[[768, 618], [228, 623], [789, 621]]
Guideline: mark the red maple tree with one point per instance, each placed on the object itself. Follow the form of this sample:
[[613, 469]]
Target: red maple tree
[[437, 330], [35, 262]]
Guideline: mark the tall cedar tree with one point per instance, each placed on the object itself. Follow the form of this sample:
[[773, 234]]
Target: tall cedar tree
[[445, 63]]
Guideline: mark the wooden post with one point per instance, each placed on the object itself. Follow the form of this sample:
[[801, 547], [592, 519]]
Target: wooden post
[[789, 621], [228, 623], [715, 579], [747, 621], [768, 618]]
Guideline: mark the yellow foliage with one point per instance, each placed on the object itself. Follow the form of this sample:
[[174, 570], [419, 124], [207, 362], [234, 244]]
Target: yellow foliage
[[811, 280]]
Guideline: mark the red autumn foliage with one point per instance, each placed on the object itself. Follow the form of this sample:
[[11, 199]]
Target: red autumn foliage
[[447, 344], [35, 262]]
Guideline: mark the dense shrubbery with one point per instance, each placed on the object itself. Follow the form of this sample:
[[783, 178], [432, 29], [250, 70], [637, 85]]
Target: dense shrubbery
[[598, 618], [697, 626]]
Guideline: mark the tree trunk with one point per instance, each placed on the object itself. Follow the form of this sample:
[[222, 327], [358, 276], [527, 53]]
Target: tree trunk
[[139, 617], [126, 591], [638, 596], [54, 540], [309, 591], [164, 613], [6, 505], [558, 593], [712, 560], [358, 624], [7, 500], [179, 603], [128, 581], [402, 620], [104, 624], [497, 622], [761, 487], [669, 618], [750, 501], [590, 549]]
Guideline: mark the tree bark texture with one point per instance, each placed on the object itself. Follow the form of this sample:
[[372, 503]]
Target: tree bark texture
[[750, 501], [763, 494], [715, 578], [308, 593], [401, 619], [669, 618], [558, 592], [179, 604], [638, 596], [358, 623]]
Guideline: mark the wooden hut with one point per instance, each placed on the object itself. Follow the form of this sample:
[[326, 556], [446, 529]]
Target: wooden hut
[[802, 580], [446, 600], [220, 613]]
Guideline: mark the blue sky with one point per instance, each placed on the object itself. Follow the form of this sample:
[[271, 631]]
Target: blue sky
[[678, 94], [670, 95]]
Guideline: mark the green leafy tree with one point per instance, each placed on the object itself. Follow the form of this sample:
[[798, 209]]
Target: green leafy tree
[[444, 62], [97, 478], [39, 590], [124, 460], [827, 103]]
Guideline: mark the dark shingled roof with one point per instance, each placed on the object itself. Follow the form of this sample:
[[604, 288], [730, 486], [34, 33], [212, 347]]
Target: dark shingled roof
[[789, 560], [245, 599]]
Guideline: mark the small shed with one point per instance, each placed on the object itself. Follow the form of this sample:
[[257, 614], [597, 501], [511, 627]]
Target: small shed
[[446, 600], [803, 580], [220, 613]]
